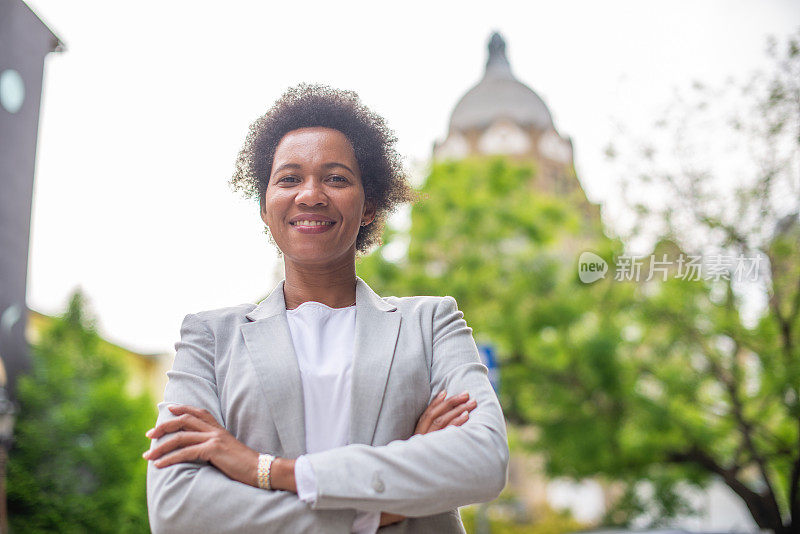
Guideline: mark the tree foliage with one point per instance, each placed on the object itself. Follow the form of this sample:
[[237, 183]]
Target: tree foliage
[[665, 381], [76, 463], [729, 187]]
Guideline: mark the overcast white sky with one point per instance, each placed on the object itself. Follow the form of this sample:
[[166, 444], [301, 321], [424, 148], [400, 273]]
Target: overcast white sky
[[144, 113]]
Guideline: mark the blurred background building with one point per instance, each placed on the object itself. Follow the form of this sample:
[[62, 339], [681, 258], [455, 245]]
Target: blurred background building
[[501, 115], [145, 372]]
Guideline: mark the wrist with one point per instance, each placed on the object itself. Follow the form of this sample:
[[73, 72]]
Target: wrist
[[252, 472], [282, 475]]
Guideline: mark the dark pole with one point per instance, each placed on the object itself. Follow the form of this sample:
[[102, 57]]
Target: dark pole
[[26, 41]]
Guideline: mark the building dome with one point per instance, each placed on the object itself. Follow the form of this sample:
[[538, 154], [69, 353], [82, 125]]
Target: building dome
[[499, 95]]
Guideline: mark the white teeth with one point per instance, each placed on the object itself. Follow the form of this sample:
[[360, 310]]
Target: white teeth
[[312, 223]]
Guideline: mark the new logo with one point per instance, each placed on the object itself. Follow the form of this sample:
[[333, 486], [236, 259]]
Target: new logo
[[591, 267]]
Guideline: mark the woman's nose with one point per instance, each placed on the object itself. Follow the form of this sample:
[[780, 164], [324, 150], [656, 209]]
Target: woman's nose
[[311, 194]]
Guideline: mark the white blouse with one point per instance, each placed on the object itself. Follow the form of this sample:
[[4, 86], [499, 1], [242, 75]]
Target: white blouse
[[324, 342]]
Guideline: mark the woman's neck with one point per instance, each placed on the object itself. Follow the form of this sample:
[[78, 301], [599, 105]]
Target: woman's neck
[[333, 287]]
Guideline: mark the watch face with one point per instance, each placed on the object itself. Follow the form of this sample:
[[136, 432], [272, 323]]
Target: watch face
[[12, 90]]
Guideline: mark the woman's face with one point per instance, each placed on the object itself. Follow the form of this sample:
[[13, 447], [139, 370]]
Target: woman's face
[[314, 202]]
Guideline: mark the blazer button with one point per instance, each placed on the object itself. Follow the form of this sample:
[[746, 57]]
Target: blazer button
[[377, 483]]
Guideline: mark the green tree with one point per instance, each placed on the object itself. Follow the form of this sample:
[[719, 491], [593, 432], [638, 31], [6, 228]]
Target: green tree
[[727, 379], [76, 464], [667, 382], [508, 254]]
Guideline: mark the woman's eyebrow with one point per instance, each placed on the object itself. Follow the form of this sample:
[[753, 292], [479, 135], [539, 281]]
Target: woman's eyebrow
[[287, 166], [326, 166], [335, 164]]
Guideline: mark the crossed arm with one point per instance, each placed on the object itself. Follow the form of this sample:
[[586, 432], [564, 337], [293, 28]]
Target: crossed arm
[[425, 474], [199, 437]]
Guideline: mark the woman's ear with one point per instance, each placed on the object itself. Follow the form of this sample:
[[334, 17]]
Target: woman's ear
[[263, 203], [368, 216]]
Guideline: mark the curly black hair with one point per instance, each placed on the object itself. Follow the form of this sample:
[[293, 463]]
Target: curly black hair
[[306, 105]]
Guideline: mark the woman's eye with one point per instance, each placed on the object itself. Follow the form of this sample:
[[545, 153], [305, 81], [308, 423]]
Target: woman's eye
[[337, 178], [287, 179]]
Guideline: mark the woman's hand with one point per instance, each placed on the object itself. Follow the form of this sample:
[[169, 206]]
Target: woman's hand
[[439, 414], [198, 436], [390, 519], [442, 412]]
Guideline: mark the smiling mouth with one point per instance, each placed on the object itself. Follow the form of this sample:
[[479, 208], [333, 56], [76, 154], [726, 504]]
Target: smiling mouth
[[312, 223]]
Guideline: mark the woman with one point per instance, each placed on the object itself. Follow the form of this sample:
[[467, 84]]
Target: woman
[[324, 408]]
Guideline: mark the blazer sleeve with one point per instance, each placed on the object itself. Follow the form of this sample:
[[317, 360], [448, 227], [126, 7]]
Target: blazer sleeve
[[197, 497], [431, 473]]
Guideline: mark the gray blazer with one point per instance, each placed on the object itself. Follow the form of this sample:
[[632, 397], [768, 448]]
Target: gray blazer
[[239, 364]]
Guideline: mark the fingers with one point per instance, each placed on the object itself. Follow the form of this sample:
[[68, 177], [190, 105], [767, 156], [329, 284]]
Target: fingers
[[456, 416], [460, 420], [181, 439], [200, 413], [439, 409], [185, 454], [437, 400], [389, 519], [425, 419], [182, 422], [447, 405]]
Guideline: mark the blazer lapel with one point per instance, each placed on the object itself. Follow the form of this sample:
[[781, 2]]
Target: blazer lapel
[[269, 345], [377, 328]]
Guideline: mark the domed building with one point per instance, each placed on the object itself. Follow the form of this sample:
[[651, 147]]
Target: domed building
[[500, 115]]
